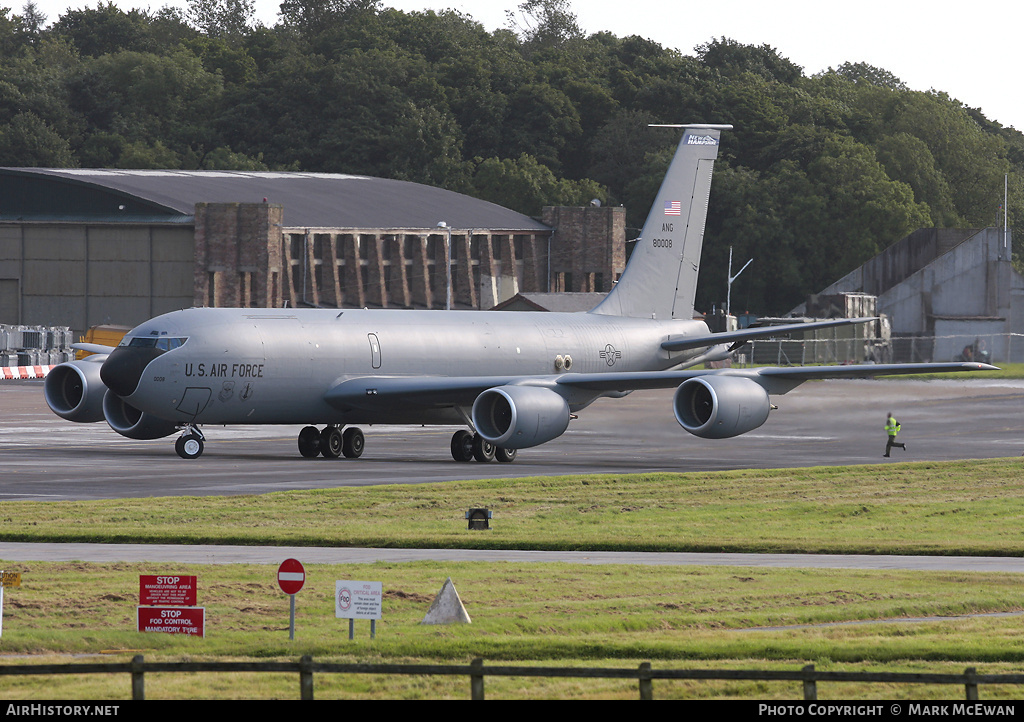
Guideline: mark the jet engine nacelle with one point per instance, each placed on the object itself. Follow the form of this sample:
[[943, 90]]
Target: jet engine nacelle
[[74, 391], [128, 421], [518, 417], [718, 407]]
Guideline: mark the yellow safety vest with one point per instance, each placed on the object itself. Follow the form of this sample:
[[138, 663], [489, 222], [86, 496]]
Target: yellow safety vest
[[891, 426]]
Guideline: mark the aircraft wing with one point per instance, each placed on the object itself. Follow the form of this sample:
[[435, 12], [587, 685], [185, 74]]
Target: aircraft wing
[[94, 348], [746, 334], [807, 373], [373, 392], [791, 375]]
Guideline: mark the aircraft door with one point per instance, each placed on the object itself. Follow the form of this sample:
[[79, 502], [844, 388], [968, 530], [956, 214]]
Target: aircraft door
[[374, 350], [195, 400]]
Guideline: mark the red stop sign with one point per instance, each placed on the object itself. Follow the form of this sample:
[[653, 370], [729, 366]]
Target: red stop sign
[[291, 575]]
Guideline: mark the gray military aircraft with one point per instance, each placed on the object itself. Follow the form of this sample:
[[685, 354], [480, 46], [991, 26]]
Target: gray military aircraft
[[513, 379]]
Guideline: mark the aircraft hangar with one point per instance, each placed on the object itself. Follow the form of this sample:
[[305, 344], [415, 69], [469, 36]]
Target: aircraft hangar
[[84, 247]]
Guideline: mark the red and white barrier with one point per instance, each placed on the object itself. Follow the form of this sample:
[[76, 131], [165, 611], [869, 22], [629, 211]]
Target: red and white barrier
[[24, 372]]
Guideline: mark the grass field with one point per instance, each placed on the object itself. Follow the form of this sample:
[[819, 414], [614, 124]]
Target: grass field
[[545, 613], [972, 508]]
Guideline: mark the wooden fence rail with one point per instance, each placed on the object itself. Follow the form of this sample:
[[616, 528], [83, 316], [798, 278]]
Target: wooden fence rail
[[305, 667]]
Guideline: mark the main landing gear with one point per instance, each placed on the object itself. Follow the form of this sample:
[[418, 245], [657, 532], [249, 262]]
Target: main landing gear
[[467, 446], [332, 442]]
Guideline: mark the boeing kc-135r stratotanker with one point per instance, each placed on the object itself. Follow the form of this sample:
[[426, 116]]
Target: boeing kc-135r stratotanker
[[513, 379]]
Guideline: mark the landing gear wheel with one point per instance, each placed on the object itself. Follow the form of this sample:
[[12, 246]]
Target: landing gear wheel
[[505, 456], [309, 442], [189, 446], [462, 445], [483, 450], [352, 443], [331, 442]]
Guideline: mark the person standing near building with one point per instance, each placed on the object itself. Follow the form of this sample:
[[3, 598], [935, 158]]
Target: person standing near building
[[892, 427]]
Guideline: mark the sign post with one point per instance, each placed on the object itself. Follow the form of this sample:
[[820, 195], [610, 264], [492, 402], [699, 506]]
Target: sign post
[[358, 600], [7, 579], [167, 604], [291, 575]]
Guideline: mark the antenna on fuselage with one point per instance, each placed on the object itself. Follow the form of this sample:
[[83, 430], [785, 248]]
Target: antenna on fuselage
[[731, 278]]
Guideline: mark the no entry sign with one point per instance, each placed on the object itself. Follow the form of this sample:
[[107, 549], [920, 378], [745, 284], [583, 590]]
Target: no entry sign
[[291, 575]]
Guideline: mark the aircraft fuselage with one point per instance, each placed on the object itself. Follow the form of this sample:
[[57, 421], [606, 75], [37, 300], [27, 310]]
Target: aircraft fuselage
[[254, 366]]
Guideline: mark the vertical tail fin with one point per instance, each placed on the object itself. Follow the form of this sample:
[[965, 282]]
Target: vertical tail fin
[[660, 280]]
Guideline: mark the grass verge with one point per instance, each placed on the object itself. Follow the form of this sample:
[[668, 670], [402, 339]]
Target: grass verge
[[954, 508], [552, 614], [529, 614]]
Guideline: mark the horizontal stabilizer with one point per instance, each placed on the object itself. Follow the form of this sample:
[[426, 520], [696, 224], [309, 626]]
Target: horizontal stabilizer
[[746, 334]]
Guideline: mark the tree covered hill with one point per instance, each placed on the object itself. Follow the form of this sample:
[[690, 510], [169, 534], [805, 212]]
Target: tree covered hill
[[819, 174]]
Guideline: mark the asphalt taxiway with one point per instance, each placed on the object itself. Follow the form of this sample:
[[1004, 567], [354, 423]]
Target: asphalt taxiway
[[44, 457], [211, 554]]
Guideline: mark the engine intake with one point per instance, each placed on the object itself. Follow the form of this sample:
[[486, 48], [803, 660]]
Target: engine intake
[[719, 407], [128, 421], [518, 417], [74, 391]]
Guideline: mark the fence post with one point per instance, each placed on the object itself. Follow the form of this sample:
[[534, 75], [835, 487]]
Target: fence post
[[971, 684], [476, 679], [305, 676], [138, 680], [646, 688], [810, 684]]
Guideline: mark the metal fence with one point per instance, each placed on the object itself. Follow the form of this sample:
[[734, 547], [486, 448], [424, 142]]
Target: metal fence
[[807, 677], [989, 348]]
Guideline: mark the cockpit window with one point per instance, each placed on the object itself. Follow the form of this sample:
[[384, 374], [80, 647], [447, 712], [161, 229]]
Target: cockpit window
[[169, 344], [164, 343]]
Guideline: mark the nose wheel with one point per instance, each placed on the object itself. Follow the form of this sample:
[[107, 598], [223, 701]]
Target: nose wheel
[[190, 444]]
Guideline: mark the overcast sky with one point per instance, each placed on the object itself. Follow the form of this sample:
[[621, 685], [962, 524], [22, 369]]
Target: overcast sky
[[966, 51]]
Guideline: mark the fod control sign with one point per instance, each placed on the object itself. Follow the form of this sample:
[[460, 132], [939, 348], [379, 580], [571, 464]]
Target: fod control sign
[[358, 600], [173, 620]]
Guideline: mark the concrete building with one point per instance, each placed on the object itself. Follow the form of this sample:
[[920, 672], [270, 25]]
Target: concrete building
[[948, 293], [85, 247]]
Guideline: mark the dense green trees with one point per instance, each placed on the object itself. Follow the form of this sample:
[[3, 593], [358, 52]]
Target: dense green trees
[[819, 174]]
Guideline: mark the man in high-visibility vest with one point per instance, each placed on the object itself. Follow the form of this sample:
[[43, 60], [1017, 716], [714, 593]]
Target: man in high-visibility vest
[[892, 427]]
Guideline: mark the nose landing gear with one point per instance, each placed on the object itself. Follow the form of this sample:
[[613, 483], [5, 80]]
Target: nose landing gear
[[190, 444]]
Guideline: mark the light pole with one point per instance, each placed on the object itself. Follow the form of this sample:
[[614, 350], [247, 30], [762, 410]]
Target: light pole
[[447, 264]]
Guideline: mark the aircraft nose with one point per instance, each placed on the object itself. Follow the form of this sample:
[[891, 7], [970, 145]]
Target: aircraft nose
[[122, 370]]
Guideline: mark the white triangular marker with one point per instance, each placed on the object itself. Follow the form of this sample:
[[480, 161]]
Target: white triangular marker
[[447, 607]]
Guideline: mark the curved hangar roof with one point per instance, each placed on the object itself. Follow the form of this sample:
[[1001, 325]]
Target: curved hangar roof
[[310, 200]]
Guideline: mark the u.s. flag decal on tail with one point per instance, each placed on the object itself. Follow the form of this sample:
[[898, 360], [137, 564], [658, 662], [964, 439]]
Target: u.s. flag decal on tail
[[673, 208]]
